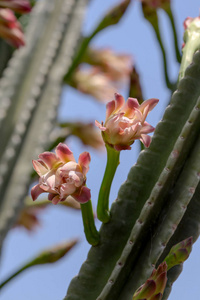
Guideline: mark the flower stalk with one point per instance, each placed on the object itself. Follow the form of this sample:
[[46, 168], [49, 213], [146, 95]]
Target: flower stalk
[[90, 230], [46, 257], [103, 213]]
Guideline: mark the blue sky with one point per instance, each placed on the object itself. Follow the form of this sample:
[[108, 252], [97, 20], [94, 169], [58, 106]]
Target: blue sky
[[134, 36]]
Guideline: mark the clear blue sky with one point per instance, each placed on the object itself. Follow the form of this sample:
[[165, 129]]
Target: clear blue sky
[[133, 35]]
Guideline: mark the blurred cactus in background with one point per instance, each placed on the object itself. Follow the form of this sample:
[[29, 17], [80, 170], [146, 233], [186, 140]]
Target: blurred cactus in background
[[138, 253]]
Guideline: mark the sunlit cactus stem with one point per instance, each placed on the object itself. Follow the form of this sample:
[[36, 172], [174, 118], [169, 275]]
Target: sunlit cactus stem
[[103, 213], [191, 43]]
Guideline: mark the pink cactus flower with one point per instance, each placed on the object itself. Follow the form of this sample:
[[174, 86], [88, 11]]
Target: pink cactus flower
[[125, 122], [95, 83], [10, 28], [61, 176], [19, 6], [189, 20], [117, 66]]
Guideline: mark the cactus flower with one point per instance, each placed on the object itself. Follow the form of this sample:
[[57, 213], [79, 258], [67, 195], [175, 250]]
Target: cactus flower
[[28, 218], [19, 6], [154, 287], [94, 82], [61, 176], [125, 122], [10, 28], [117, 66]]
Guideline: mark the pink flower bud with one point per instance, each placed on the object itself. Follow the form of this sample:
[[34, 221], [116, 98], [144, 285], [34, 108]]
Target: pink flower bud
[[61, 176], [125, 122]]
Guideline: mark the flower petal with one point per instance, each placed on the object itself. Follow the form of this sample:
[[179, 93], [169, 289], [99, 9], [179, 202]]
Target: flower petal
[[49, 158], [64, 153], [84, 161], [146, 128], [56, 199], [39, 167], [51, 196], [101, 127], [146, 140], [83, 196], [130, 106], [122, 147], [151, 102], [119, 101], [36, 191], [70, 166], [110, 107], [67, 189]]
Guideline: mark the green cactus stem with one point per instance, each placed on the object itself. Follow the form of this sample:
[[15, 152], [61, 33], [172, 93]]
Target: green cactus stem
[[103, 213], [90, 230], [150, 204], [192, 44]]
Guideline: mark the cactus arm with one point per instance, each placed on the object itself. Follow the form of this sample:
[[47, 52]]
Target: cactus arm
[[136, 190], [189, 226], [45, 60], [166, 226], [188, 51]]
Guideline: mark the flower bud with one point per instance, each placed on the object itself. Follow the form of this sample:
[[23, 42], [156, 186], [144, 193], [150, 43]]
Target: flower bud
[[125, 122], [154, 287], [179, 253], [61, 176]]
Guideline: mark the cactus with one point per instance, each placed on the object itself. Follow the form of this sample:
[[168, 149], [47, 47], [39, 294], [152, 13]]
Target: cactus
[[153, 201], [32, 82], [157, 207]]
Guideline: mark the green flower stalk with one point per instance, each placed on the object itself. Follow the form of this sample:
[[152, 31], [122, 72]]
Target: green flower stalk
[[179, 253], [125, 122], [46, 257], [103, 213], [91, 233], [150, 14]]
